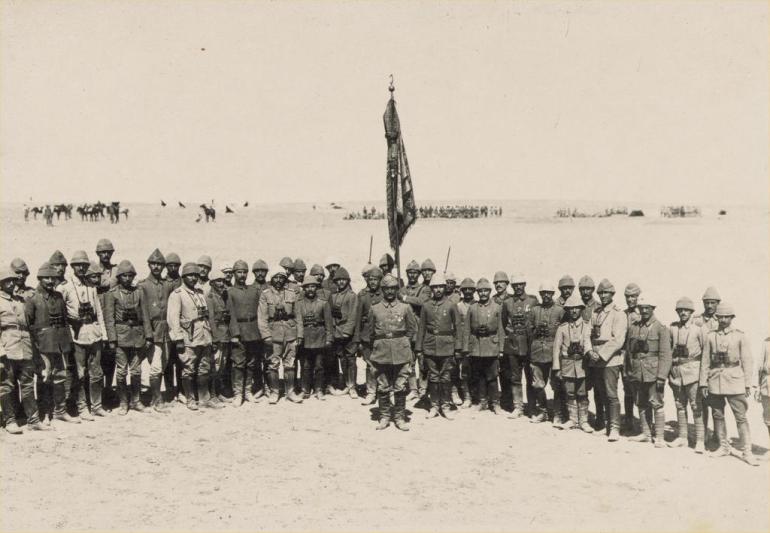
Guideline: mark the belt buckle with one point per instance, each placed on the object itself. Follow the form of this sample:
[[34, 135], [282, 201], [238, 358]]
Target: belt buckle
[[389, 335]]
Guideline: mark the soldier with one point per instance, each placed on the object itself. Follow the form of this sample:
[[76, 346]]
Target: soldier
[[648, 363], [572, 343], [763, 393], [517, 326], [220, 319], [129, 333], [205, 264], [726, 376], [462, 371], [260, 269], [586, 288], [105, 251], [452, 292], [298, 270], [331, 265], [317, 271], [387, 264], [708, 320], [439, 338], [605, 359], [262, 350], [287, 264], [279, 329], [318, 333], [368, 296], [227, 272], [631, 293], [19, 267], [155, 292], [59, 264], [172, 375], [687, 342], [84, 314], [427, 269], [392, 332], [16, 357], [414, 294], [344, 305], [247, 353], [46, 316], [173, 262], [189, 328], [483, 341], [546, 317], [501, 282], [566, 288]]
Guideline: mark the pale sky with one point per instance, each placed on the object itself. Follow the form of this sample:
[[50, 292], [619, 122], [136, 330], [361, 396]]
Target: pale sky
[[650, 101]]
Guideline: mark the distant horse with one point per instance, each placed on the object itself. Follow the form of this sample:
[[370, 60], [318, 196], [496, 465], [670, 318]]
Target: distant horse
[[209, 212]]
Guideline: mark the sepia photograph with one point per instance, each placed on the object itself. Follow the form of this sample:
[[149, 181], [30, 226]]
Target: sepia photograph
[[387, 266]]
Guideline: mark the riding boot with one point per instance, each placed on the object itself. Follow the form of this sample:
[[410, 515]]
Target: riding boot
[[187, 388], [720, 429], [95, 391], [136, 393], [447, 403], [466, 392], [400, 411], [518, 398], [273, 383], [318, 380], [288, 383], [660, 428], [238, 395], [123, 397], [494, 397], [483, 404], [384, 408], [247, 377], [203, 390], [614, 416], [305, 379], [583, 416], [435, 400]]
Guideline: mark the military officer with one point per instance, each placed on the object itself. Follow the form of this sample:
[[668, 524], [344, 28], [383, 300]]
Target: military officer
[[190, 329], [387, 264], [392, 332], [414, 294], [328, 284], [546, 317], [247, 352], [278, 327], [368, 296], [228, 273], [59, 264], [763, 392], [260, 269], [517, 324], [708, 320], [105, 250], [452, 291], [726, 376], [205, 264], [173, 263], [605, 359], [570, 346], [19, 267], [648, 363], [299, 269], [631, 294], [129, 332], [439, 339], [17, 368], [46, 316], [217, 302], [462, 371], [586, 288], [318, 272], [172, 375], [287, 264], [344, 305], [501, 282], [84, 314], [687, 342], [155, 292], [566, 288], [317, 336]]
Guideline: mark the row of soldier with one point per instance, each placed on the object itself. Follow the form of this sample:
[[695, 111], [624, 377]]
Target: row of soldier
[[214, 340]]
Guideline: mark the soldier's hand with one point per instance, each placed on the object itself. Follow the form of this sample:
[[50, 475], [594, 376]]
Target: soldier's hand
[[500, 355], [704, 391], [660, 386]]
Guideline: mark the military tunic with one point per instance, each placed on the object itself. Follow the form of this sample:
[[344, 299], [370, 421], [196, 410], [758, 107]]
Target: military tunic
[[439, 332], [517, 323], [687, 342], [16, 358], [726, 366], [156, 292], [188, 319], [648, 351], [317, 326], [127, 319], [572, 342], [545, 321], [393, 328], [483, 335]]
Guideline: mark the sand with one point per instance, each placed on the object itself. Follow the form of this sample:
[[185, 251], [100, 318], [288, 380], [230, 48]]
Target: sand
[[322, 466]]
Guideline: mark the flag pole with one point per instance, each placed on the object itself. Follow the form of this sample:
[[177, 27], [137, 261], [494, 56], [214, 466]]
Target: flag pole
[[397, 251]]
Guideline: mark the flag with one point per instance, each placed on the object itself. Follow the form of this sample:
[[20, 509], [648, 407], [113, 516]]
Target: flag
[[402, 210]]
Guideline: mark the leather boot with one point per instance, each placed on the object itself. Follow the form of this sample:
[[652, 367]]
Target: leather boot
[[136, 391], [660, 428], [466, 390], [483, 404], [644, 422], [237, 378], [433, 396], [614, 416], [599, 419], [350, 379], [399, 415], [204, 397], [700, 444], [572, 415], [745, 434], [518, 400], [273, 383], [305, 380], [583, 416], [720, 430], [96, 398], [494, 397], [288, 379], [187, 387], [123, 395], [157, 403], [248, 385], [456, 396], [681, 422], [384, 407], [82, 405], [445, 394]]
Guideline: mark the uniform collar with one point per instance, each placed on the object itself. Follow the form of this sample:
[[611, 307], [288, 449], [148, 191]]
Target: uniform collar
[[727, 330], [152, 279], [390, 304], [485, 304], [4, 295]]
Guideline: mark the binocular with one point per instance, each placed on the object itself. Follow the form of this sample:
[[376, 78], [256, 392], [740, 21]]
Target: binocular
[[86, 313], [681, 350], [575, 348], [596, 332], [203, 312], [640, 346], [57, 320], [541, 330], [482, 330], [280, 314], [225, 317], [309, 321], [517, 319], [337, 312], [721, 358], [130, 315]]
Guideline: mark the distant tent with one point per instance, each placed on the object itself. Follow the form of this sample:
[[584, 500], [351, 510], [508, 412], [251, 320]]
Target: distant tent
[[722, 212], [636, 213]]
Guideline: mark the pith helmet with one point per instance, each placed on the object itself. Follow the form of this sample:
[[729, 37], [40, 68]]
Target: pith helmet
[[80, 257], [259, 264], [546, 286], [341, 273], [645, 301], [240, 264], [467, 283], [330, 261], [104, 245], [387, 261], [374, 272], [278, 273], [632, 289], [156, 257], [57, 258], [7, 273], [449, 276], [299, 264], [286, 262], [483, 283], [316, 270], [46, 271], [724, 309], [606, 286], [437, 280], [172, 258], [574, 301], [94, 268], [518, 278], [428, 265], [125, 267], [389, 281], [685, 303], [310, 280], [566, 281], [500, 276], [711, 294], [216, 274], [226, 268], [190, 268], [205, 260], [18, 265], [586, 283], [413, 265]]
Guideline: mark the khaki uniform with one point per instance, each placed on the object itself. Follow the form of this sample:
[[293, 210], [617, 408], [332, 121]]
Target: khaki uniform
[[156, 292], [687, 342], [248, 354], [572, 342], [344, 306], [764, 387], [608, 335], [462, 369], [483, 340], [366, 299], [278, 325], [318, 334], [517, 323], [439, 337], [222, 347], [545, 321], [16, 365]]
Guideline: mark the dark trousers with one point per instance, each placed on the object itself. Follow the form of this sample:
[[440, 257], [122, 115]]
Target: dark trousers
[[196, 369], [88, 376], [605, 382], [371, 381], [172, 374], [312, 365], [440, 379], [484, 372], [220, 368], [247, 360], [461, 375], [392, 379], [21, 373], [52, 383], [648, 401], [513, 368], [540, 374], [345, 352], [108, 369]]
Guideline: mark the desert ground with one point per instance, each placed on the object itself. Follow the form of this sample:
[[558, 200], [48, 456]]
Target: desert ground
[[322, 466]]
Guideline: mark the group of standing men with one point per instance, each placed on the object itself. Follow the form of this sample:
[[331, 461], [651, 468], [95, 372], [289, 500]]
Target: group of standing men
[[215, 339]]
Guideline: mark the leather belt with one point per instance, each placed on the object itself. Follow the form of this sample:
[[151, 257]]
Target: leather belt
[[14, 326], [676, 361], [725, 365], [487, 334], [390, 335], [246, 320], [441, 333]]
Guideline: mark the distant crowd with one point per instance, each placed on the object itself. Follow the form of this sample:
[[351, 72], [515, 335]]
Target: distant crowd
[[88, 212], [459, 211]]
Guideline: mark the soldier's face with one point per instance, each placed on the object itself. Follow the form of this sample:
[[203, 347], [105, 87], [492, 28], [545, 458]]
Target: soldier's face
[[260, 275], [94, 279], [310, 290], [684, 314], [412, 276], [437, 291], [451, 286], [586, 293], [229, 276], [105, 257], [172, 269], [126, 280], [204, 271], [645, 311], [546, 297], [389, 293], [724, 321], [710, 306], [190, 280], [341, 284], [468, 293], [279, 281], [8, 285], [320, 277], [427, 275], [373, 283], [332, 269], [156, 269], [631, 300], [500, 286], [566, 292], [80, 270], [483, 295], [605, 297], [21, 278], [218, 284], [240, 276], [48, 282], [299, 275], [518, 288], [59, 268], [575, 312]]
